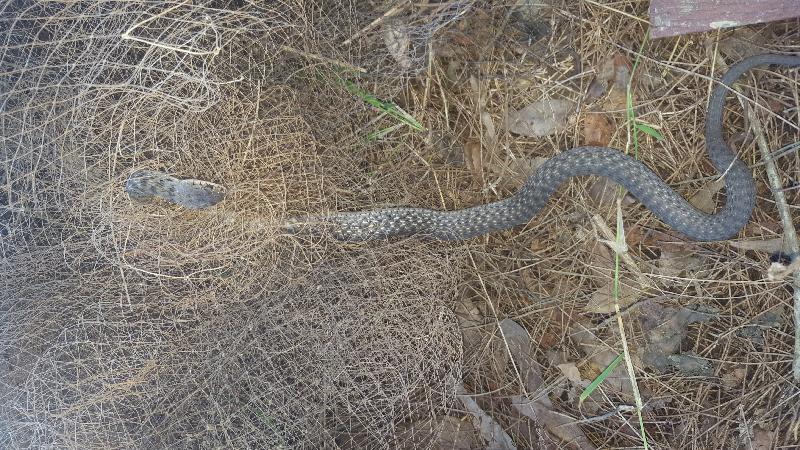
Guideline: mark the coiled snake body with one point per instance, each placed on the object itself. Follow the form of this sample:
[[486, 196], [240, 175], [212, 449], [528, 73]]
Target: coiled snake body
[[518, 209]]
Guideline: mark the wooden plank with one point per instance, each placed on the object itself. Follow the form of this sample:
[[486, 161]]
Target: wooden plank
[[676, 17]]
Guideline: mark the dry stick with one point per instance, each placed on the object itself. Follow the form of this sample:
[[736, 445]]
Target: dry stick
[[324, 59], [393, 11], [789, 232]]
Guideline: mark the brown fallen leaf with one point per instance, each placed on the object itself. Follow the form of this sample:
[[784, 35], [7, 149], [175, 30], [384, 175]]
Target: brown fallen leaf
[[741, 43], [602, 300], [754, 331], [474, 156], [665, 327], [578, 380], [490, 431], [524, 167], [540, 409], [573, 374], [560, 425], [598, 129], [540, 118], [734, 378], [449, 150], [621, 70], [691, 365], [455, 434], [704, 198], [762, 439], [471, 319], [612, 78], [675, 263], [490, 134]]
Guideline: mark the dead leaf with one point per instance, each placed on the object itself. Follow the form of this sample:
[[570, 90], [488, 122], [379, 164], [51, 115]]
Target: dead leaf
[[540, 118], [398, 42], [478, 92], [598, 129], [492, 433], [602, 300], [612, 75], [522, 168], [490, 133], [560, 425], [573, 374], [735, 377], [604, 191], [597, 88], [621, 70], [445, 144], [474, 156], [704, 198], [454, 72], [674, 264], [754, 331], [762, 439], [691, 365], [520, 346], [665, 327], [601, 260], [741, 43], [540, 409]]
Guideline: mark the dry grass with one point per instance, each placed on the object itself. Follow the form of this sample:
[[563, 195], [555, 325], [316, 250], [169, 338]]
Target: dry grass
[[130, 325]]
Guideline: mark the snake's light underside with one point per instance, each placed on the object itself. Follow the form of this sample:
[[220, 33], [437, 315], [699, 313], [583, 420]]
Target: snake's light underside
[[518, 209]]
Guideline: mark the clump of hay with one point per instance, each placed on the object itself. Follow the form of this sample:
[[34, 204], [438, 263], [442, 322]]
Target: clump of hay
[[131, 325]]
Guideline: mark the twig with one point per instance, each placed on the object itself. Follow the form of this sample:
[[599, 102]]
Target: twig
[[322, 58], [376, 22], [789, 232]]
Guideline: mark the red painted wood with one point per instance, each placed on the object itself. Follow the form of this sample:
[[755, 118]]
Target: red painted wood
[[676, 17]]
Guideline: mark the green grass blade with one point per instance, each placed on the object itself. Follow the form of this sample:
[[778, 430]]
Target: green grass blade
[[375, 135], [599, 379], [649, 130], [387, 107]]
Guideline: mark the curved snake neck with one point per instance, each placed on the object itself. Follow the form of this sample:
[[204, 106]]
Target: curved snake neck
[[518, 209]]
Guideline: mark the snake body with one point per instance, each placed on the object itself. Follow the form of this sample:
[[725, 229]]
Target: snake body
[[518, 209], [637, 178]]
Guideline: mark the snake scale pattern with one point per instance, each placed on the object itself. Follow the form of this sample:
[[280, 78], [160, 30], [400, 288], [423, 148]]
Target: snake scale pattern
[[520, 208]]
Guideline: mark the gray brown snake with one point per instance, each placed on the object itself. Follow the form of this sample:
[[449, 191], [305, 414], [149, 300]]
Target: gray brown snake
[[518, 209]]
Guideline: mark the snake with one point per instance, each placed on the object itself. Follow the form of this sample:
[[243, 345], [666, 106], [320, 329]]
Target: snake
[[641, 182]]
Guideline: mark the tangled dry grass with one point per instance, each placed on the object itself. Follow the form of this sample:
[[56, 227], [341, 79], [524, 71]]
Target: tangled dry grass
[[138, 326], [142, 325]]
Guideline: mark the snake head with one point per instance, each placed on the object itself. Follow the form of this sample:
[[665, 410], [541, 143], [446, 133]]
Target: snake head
[[189, 193]]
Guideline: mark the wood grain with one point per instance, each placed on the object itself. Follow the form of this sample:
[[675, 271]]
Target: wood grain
[[676, 17]]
